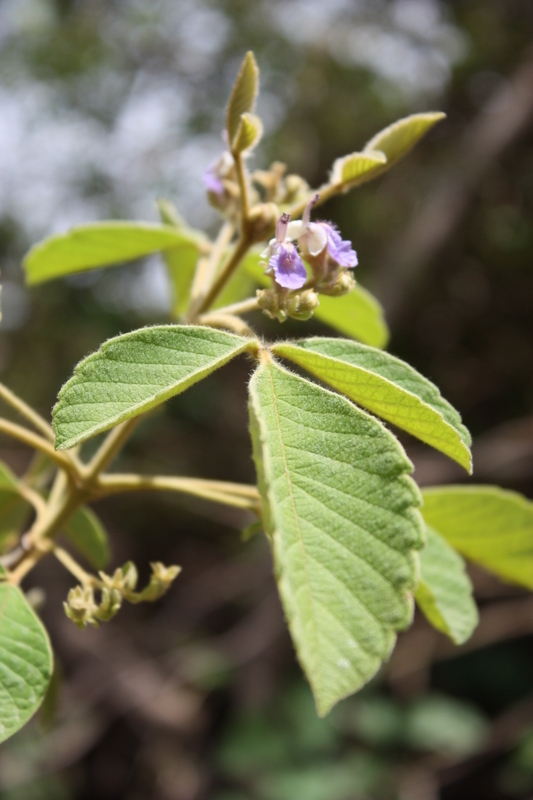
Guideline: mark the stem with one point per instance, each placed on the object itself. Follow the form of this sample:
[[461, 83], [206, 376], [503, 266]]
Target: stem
[[242, 177], [34, 498], [233, 261], [232, 494], [227, 321], [237, 308], [26, 411], [73, 567], [207, 267], [38, 443], [110, 448]]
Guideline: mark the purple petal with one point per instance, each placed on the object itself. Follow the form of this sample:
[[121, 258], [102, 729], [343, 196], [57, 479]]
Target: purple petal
[[340, 249], [289, 270], [212, 182]]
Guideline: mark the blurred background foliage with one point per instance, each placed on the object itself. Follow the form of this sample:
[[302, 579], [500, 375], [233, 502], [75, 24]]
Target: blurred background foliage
[[108, 104]]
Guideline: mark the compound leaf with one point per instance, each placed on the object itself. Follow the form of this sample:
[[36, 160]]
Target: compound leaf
[[341, 513], [444, 594], [25, 661], [386, 386], [397, 139], [85, 531], [101, 244], [490, 526], [133, 373]]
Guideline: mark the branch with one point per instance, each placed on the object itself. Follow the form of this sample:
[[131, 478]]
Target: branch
[[38, 443], [233, 494], [26, 411]]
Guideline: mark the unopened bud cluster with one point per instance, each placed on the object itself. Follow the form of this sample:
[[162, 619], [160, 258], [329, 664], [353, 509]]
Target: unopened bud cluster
[[83, 609]]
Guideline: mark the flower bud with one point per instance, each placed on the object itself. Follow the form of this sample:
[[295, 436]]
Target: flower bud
[[341, 284], [301, 306]]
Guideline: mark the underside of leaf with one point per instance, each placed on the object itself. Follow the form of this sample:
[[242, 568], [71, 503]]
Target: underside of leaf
[[341, 512]]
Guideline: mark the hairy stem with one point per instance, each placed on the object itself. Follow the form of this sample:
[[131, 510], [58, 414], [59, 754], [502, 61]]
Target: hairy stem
[[232, 262], [26, 411], [207, 266], [111, 446], [38, 443], [74, 568], [236, 308], [231, 494]]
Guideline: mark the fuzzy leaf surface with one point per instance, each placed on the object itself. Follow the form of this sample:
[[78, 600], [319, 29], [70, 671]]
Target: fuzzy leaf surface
[[101, 244], [243, 95], [248, 134], [133, 373], [397, 139], [489, 526], [25, 661], [341, 513], [386, 386], [444, 594], [87, 534], [357, 168], [357, 314]]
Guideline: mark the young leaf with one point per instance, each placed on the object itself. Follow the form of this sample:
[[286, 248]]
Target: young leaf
[[133, 373], [400, 137], [85, 531], [101, 244], [248, 134], [357, 314], [490, 526], [25, 661], [444, 593], [341, 512], [386, 386], [357, 168], [243, 95]]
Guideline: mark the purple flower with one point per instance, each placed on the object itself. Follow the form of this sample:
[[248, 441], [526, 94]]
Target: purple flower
[[283, 259], [216, 171], [317, 238], [340, 250]]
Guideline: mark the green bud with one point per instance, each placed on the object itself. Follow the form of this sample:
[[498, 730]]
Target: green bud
[[301, 306], [341, 284], [80, 606]]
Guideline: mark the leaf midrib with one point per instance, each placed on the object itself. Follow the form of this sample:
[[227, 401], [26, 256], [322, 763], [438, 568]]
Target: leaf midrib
[[297, 523]]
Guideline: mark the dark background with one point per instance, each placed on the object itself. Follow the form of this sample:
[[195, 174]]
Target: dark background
[[105, 106]]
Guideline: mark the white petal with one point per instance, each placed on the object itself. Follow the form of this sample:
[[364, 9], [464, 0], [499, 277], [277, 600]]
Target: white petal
[[316, 239], [295, 229]]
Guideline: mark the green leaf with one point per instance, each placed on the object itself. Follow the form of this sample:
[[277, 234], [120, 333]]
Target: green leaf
[[13, 508], [101, 244], [444, 593], [490, 526], [248, 134], [180, 261], [25, 661], [243, 95], [386, 386], [181, 265], [133, 373], [397, 139], [85, 531], [341, 512], [357, 314], [357, 168]]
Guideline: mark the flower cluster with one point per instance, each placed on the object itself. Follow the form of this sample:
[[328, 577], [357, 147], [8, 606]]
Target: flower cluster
[[320, 244]]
